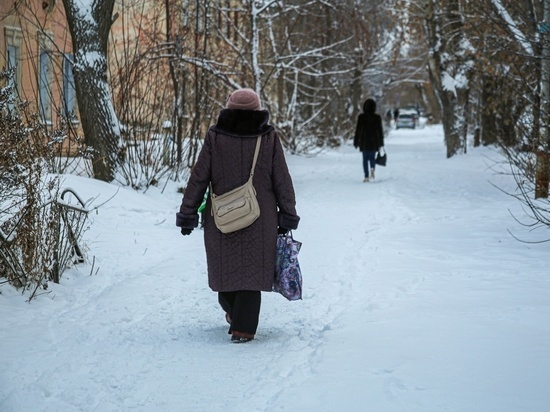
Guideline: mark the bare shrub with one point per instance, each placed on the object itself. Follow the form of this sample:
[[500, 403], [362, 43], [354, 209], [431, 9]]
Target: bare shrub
[[526, 167], [39, 230]]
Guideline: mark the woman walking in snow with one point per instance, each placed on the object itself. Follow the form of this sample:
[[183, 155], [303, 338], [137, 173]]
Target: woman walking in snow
[[241, 264], [369, 137]]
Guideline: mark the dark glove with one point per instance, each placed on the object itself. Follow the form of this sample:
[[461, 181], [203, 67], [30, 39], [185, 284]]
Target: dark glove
[[186, 232], [282, 230]]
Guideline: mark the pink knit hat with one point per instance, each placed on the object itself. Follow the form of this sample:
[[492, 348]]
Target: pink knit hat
[[244, 99]]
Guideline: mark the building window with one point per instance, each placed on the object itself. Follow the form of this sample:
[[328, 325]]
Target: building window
[[236, 26], [227, 19], [69, 93], [13, 54], [13, 82], [185, 13], [200, 16], [45, 85]]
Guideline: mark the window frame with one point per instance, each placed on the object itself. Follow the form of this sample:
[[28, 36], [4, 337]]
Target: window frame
[[69, 100], [46, 78], [13, 39]]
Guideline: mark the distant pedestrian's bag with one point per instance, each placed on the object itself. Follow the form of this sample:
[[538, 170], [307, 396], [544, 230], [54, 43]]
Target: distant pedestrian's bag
[[381, 159], [239, 207], [288, 276]]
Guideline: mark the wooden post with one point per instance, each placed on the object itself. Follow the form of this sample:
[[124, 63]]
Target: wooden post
[[542, 175], [477, 137]]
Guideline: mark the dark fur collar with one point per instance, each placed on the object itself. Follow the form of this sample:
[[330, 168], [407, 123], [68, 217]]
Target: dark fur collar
[[243, 123]]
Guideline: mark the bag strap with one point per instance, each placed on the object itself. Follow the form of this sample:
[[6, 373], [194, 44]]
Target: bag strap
[[256, 152]]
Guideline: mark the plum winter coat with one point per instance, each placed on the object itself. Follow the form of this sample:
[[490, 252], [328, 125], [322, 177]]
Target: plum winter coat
[[369, 134], [245, 259]]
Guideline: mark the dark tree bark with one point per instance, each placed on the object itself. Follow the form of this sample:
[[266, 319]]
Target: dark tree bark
[[177, 76], [449, 68], [90, 32]]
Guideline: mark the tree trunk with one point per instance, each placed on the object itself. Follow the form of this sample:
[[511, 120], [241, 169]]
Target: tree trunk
[[90, 32], [488, 120], [542, 182], [356, 84], [178, 85], [449, 69]]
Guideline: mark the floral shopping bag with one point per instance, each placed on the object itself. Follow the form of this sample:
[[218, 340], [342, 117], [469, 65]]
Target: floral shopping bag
[[288, 276]]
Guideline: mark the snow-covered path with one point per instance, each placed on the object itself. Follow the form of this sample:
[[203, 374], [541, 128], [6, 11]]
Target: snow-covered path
[[444, 310], [416, 298]]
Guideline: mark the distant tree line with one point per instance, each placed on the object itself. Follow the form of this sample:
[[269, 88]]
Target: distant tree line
[[312, 63], [151, 89], [489, 61]]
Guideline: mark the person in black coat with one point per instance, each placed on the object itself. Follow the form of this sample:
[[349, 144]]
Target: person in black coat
[[369, 137]]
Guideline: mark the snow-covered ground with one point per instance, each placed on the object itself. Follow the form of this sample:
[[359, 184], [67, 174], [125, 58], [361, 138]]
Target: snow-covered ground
[[416, 298]]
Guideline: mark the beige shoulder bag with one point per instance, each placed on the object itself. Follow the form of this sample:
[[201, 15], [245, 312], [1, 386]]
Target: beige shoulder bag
[[239, 207]]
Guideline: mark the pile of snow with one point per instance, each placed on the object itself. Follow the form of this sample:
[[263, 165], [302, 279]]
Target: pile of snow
[[416, 298]]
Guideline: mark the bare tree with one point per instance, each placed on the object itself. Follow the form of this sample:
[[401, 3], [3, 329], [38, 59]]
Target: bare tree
[[450, 65], [513, 71], [90, 24]]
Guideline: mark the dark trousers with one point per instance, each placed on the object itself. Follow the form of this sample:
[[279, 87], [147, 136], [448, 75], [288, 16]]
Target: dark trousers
[[243, 307], [369, 156]]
